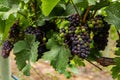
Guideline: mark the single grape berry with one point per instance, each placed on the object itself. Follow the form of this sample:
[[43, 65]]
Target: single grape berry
[[6, 48]]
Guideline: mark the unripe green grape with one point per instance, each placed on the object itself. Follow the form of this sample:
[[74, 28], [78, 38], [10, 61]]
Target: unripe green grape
[[67, 31], [77, 31], [91, 25], [99, 21], [61, 34], [93, 22], [66, 28], [83, 30], [44, 39]]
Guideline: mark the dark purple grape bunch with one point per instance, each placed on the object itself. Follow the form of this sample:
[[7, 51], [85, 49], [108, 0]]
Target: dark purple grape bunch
[[6, 48], [101, 32], [14, 31], [76, 36], [81, 42]]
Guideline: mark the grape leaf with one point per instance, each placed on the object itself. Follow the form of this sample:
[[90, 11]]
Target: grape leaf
[[77, 61], [71, 10], [4, 5], [81, 3], [116, 69], [26, 53], [113, 14], [48, 5], [117, 52], [100, 4], [13, 11], [91, 2], [8, 23], [2, 26], [58, 55]]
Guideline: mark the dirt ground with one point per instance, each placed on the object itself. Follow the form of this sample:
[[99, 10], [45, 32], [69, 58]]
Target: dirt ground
[[43, 71]]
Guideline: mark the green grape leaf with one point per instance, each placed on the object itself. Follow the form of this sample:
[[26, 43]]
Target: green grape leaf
[[100, 4], [2, 26], [91, 2], [116, 69], [25, 1], [117, 52], [58, 55], [48, 5], [4, 5], [58, 10], [26, 53], [113, 14], [13, 11], [71, 10], [93, 54], [77, 61], [8, 23], [81, 3]]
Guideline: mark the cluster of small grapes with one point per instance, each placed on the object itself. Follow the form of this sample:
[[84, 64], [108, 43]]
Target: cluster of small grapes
[[100, 29], [8, 44], [14, 31], [40, 33], [6, 48], [77, 36], [39, 37]]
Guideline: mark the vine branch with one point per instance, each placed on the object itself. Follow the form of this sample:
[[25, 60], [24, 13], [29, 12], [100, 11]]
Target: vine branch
[[86, 14], [94, 14], [105, 61], [35, 11], [93, 64]]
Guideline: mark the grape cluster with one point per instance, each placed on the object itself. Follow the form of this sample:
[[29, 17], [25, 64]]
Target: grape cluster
[[40, 33], [6, 48], [14, 31], [39, 37], [12, 37], [80, 42], [77, 37], [100, 29]]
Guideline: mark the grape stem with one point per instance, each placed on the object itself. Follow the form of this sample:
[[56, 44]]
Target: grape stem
[[86, 14], [94, 14], [93, 64], [35, 11]]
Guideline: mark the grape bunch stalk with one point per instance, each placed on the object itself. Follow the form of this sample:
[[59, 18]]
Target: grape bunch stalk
[[77, 37]]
